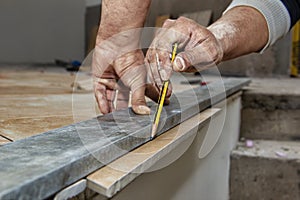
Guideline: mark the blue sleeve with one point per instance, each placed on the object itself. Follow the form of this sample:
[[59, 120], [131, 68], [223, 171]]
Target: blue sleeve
[[293, 7]]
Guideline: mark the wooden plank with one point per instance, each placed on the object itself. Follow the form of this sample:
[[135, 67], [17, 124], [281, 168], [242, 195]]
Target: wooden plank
[[118, 174]]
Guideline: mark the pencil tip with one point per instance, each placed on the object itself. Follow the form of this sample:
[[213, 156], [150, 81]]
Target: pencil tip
[[153, 131]]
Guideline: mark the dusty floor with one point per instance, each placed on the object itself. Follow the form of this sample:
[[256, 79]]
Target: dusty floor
[[34, 100]]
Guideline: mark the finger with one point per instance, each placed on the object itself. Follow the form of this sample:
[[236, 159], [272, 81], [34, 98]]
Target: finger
[[152, 89], [117, 95], [109, 83], [111, 99], [121, 99], [161, 47], [101, 98], [100, 65], [121, 95], [198, 57], [153, 93], [134, 77], [155, 67], [160, 66], [168, 23], [164, 65], [149, 75], [160, 70], [138, 102], [174, 31], [165, 39], [169, 91]]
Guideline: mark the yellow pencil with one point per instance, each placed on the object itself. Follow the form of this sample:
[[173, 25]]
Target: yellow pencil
[[162, 96]]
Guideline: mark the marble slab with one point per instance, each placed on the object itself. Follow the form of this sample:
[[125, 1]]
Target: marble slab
[[114, 177], [39, 166]]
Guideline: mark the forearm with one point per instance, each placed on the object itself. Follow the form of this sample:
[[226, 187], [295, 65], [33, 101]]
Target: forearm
[[240, 31], [250, 21], [122, 15]]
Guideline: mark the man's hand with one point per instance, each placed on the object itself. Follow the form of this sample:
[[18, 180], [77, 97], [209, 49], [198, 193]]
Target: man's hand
[[118, 62], [115, 74], [199, 49], [240, 31]]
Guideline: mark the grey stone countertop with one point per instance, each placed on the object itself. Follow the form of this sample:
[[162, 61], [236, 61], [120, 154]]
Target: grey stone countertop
[[39, 166]]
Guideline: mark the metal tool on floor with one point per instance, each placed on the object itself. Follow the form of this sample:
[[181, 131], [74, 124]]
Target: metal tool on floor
[[72, 66], [162, 94]]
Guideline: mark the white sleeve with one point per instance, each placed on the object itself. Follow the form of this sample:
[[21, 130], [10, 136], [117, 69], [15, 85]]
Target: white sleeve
[[275, 13]]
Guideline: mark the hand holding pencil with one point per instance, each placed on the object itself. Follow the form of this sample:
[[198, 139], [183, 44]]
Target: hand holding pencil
[[162, 96]]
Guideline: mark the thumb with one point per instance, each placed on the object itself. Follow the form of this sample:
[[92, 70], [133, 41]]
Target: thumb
[[135, 79], [180, 64], [199, 57], [189, 58], [138, 101]]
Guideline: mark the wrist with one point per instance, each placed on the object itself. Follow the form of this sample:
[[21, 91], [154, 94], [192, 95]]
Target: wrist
[[125, 40], [224, 34], [241, 30]]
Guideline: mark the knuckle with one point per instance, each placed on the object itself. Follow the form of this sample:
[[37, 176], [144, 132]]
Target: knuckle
[[190, 58], [167, 22], [182, 19], [188, 22], [146, 60], [213, 53]]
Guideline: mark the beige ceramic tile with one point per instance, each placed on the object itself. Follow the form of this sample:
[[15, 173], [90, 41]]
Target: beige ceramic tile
[[25, 115], [3, 140]]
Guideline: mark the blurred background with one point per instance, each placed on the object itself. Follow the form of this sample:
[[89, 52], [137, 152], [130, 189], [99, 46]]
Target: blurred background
[[43, 44], [38, 32]]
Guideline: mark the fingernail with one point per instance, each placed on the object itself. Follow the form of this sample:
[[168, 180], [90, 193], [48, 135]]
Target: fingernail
[[103, 81], [179, 64], [142, 110]]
